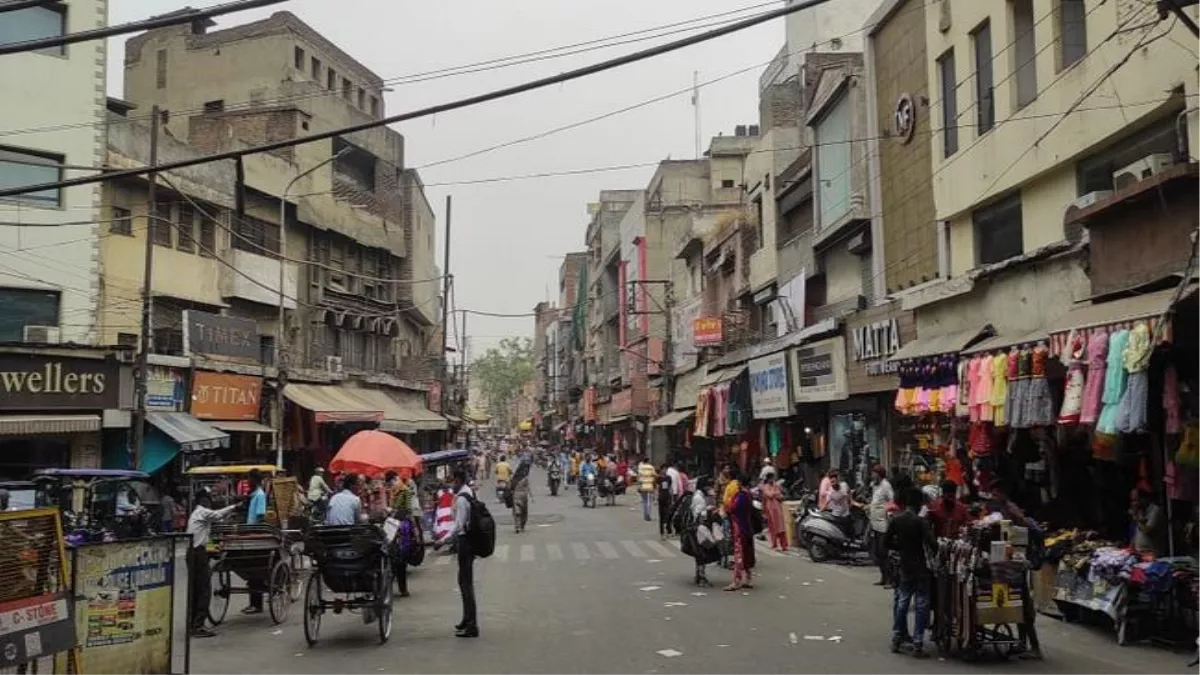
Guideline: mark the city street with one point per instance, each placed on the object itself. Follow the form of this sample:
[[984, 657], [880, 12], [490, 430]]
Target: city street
[[596, 591]]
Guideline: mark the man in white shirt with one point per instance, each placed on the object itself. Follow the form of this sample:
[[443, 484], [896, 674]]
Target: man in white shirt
[[199, 525], [345, 508], [881, 494], [676, 484], [317, 487]]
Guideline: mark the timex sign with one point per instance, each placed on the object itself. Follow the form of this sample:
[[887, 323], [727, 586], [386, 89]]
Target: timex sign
[[40, 382]]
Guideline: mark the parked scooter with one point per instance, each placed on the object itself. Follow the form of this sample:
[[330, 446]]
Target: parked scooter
[[828, 537]]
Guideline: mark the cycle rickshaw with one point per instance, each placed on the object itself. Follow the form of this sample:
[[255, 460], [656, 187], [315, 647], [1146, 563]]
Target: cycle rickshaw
[[351, 565], [260, 554]]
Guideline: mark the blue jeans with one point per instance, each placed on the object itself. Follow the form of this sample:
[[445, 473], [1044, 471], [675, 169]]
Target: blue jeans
[[914, 592], [647, 500]]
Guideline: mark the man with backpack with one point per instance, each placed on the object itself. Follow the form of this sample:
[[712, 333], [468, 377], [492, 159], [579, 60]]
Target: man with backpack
[[473, 534]]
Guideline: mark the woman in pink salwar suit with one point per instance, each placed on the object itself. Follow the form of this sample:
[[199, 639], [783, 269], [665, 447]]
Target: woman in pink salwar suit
[[772, 500]]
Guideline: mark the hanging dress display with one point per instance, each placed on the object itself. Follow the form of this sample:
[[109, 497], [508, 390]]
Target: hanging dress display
[[949, 376], [1131, 416], [963, 407], [1115, 378], [1000, 389], [703, 413], [1093, 388], [1039, 404], [1073, 389], [907, 391], [1013, 411], [1020, 398]]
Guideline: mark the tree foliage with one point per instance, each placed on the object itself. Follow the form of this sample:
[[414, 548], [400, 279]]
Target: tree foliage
[[502, 371]]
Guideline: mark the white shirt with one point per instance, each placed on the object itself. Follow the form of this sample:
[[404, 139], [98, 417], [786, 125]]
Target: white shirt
[[317, 487], [881, 494], [699, 505], [767, 470], [676, 487], [344, 509], [462, 510], [839, 501], [201, 521]]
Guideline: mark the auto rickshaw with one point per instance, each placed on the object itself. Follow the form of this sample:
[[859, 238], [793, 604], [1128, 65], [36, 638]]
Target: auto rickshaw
[[438, 467], [95, 503]]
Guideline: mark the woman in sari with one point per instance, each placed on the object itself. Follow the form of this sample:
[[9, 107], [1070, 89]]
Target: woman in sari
[[772, 501], [738, 505]]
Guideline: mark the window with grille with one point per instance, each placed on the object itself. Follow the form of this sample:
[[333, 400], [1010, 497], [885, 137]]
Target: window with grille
[[998, 233], [168, 341], [161, 224], [121, 221], [186, 224], [256, 236], [208, 234]]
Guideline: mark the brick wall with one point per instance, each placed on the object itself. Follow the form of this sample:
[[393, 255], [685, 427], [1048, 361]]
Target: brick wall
[[909, 233]]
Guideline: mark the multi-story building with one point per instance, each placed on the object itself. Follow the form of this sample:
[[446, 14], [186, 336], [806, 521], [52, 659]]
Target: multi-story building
[[49, 281], [361, 294], [602, 351]]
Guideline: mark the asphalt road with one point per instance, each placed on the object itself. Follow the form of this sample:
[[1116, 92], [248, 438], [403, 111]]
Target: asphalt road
[[596, 591]]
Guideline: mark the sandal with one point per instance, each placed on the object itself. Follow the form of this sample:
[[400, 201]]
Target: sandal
[[732, 587]]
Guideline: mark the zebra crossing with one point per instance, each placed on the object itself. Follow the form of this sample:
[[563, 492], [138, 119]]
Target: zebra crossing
[[578, 551]]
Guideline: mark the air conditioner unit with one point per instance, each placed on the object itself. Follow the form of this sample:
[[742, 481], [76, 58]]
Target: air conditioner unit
[[1141, 169], [333, 364], [1089, 199], [43, 335]]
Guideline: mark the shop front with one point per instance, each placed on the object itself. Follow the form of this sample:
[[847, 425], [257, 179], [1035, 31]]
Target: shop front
[[623, 426], [771, 408], [818, 379], [723, 418], [865, 420], [55, 408], [671, 434], [405, 416], [233, 403], [318, 418]]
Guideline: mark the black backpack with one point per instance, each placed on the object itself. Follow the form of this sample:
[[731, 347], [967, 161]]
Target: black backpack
[[481, 530]]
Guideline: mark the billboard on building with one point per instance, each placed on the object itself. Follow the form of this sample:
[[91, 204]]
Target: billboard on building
[[226, 396], [819, 371], [770, 395], [682, 324], [708, 331], [209, 334]]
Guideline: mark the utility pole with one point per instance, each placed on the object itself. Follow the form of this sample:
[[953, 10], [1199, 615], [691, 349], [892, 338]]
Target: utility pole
[[668, 364], [140, 372], [446, 310]]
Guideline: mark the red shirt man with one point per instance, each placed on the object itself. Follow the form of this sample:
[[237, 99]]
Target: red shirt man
[[946, 513]]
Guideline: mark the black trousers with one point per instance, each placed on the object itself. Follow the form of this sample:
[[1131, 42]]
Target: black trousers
[[466, 582], [664, 514], [880, 553], [400, 569], [201, 584]]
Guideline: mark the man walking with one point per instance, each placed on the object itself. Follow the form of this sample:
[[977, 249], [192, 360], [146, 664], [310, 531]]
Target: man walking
[[256, 511], [646, 476], [881, 494], [910, 535], [469, 626], [199, 525]]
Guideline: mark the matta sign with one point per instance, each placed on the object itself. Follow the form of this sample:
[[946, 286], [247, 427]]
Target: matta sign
[[708, 331], [225, 396]]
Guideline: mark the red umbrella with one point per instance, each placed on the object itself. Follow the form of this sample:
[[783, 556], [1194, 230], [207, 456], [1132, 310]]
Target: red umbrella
[[373, 454]]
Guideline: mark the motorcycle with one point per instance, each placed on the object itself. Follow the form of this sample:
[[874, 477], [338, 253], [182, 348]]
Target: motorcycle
[[608, 490], [828, 537], [588, 490], [502, 492], [555, 480]]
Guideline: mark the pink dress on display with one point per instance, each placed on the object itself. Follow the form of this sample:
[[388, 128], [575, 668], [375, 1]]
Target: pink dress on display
[[1072, 405], [1093, 388]]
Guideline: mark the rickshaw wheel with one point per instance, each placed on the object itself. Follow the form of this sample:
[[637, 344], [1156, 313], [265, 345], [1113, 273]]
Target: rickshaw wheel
[[312, 609], [383, 601], [220, 584], [279, 588]]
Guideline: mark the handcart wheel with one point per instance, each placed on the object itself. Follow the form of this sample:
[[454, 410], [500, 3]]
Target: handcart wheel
[[279, 591], [313, 609], [220, 584], [383, 600], [299, 567]]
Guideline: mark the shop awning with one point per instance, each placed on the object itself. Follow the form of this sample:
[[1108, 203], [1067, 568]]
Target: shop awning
[[22, 425], [673, 418], [244, 427], [332, 404], [1133, 308], [687, 386], [619, 418], [399, 416], [189, 433], [723, 375], [1001, 342], [945, 343]]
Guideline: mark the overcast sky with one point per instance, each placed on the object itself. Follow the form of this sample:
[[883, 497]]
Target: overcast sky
[[508, 237]]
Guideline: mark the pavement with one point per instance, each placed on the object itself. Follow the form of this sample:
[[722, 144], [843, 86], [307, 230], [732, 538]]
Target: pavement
[[597, 591]]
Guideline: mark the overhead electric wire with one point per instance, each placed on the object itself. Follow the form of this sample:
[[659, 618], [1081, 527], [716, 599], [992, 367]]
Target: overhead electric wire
[[469, 101], [415, 78], [172, 19]]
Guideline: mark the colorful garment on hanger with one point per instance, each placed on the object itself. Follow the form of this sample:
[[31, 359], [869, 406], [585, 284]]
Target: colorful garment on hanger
[[1038, 410], [948, 401], [1131, 415], [1093, 388], [963, 406], [999, 389], [1073, 388], [1012, 410], [703, 413], [1115, 379], [1171, 424]]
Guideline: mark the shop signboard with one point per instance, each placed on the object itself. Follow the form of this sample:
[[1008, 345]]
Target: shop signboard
[[872, 337], [433, 397], [35, 621], [166, 389], [819, 371], [770, 395], [682, 324], [123, 609], [46, 382], [226, 396], [708, 331], [208, 334]]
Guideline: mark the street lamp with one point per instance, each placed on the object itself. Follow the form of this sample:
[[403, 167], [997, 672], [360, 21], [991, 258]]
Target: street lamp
[[279, 333]]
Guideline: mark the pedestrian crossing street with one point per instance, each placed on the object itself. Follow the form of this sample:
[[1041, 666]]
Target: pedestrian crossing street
[[578, 552]]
